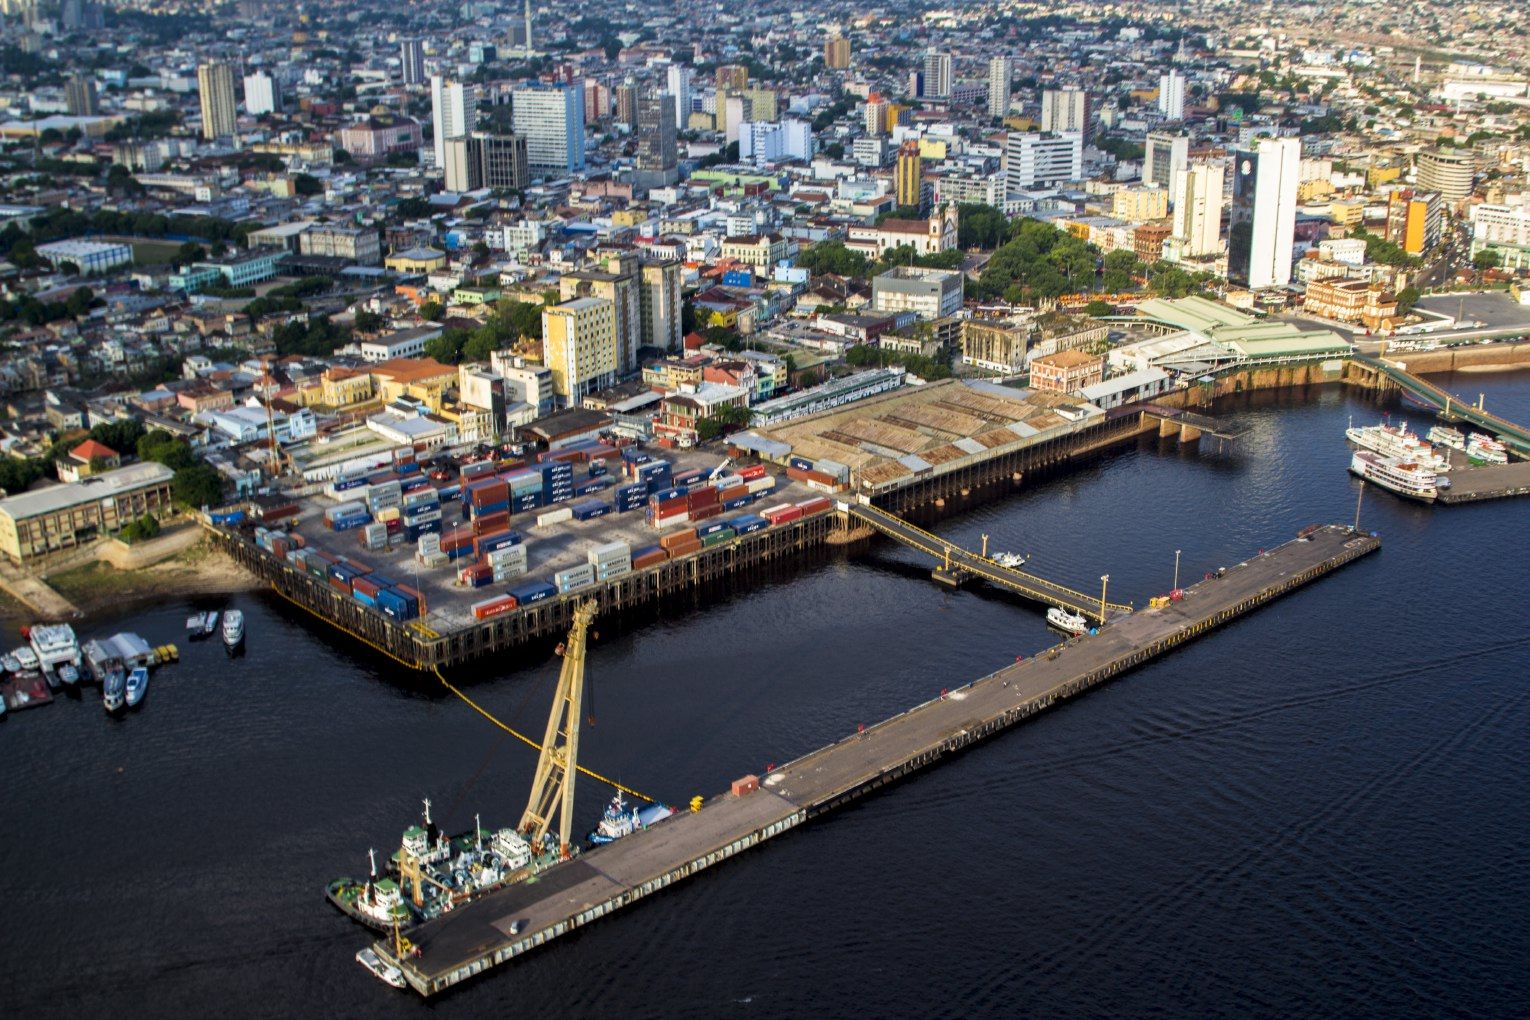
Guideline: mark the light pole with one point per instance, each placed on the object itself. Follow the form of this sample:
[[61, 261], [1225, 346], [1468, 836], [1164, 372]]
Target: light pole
[[1104, 585], [1176, 571]]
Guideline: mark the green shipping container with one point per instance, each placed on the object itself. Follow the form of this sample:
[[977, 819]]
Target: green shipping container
[[716, 538]]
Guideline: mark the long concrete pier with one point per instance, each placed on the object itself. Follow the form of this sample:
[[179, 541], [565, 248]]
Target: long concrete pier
[[516, 920]]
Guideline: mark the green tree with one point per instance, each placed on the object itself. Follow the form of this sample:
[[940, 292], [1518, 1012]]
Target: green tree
[[1406, 299], [1120, 266], [197, 486], [1487, 258], [368, 321], [832, 257], [432, 311], [1099, 309], [981, 226]]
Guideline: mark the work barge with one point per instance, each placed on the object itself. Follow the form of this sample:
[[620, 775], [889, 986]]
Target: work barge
[[507, 924], [975, 479]]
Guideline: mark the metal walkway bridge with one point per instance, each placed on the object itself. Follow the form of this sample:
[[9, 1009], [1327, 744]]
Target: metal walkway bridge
[[1514, 436], [959, 564]]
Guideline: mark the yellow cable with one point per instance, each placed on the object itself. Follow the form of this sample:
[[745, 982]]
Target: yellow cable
[[533, 744]]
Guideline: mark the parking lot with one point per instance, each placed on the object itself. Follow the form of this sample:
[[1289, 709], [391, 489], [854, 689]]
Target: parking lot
[[549, 549]]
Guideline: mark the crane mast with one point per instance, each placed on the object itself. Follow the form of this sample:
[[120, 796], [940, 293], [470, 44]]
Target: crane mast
[[552, 790]]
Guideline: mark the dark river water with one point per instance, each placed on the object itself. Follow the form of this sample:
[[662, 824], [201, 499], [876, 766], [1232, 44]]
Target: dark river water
[[1320, 810]]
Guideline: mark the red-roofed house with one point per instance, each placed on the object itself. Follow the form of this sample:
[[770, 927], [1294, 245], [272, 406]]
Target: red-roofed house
[[89, 458]]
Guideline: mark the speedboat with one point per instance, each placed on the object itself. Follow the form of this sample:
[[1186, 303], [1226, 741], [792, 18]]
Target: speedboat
[[1071, 623], [233, 629], [1013, 561], [26, 659], [380, 969], [114, 687], [202, 625], [137, 685]]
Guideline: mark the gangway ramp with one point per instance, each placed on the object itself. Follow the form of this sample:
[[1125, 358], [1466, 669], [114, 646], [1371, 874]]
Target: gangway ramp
[[957, 560]]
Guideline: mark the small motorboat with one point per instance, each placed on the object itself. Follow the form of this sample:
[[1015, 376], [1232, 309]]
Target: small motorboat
[[137, 685], [1070, 623], [9, 664], [69, 673], [114, 687], [1014, 561], [202, 625], [380, 969]]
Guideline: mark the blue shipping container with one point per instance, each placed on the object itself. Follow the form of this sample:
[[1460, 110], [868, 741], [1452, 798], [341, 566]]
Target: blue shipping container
[[534, 591], [591, 510], [500, 541], [706, 528]]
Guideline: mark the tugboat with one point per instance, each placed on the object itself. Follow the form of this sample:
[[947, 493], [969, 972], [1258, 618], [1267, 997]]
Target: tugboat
[[1068, 623], [137, 686], [233, 629], [376, 903], [114, 686], [618, 821]]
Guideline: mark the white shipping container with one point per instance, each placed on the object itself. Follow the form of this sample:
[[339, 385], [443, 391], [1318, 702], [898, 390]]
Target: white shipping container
[[509, 572], [761, 484], [510, 554], [554, 517], [429, 543], [433, 560], [606, 573], [609, 552]]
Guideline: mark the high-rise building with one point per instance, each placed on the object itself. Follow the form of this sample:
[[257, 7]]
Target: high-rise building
[[551, 119], [761, 104], [1034, 160], [876, 115], [1414, 219], [1197, 231], [1065, 110], [1164, 155], [1001, 75], [657, 164], [1171, 95], [626, 103], [1277, 173], [1449, 173], [453, 111], [937, 75], [679, 82], [80, 96], [579, 347], [908, 175], [661, 305], [617, 281], [763, 142], [484, 160], [262, 94], [411, 59], [731, 78], [597, 101], [215, 90], [836, 53]]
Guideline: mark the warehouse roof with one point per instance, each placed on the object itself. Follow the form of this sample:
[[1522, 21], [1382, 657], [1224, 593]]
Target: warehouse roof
[[106, 485]]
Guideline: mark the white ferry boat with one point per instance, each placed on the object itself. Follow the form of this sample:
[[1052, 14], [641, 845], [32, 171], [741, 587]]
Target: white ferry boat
[[1405, 478], [1397, 442], [1444, 435], [380, 969], [1485, 450], [1071, 623]]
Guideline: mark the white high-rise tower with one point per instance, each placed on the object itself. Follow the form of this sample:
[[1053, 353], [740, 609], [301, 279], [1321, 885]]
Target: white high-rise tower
[[1274, 232]]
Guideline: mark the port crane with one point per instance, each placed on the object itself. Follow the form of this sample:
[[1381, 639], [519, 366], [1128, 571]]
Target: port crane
[[719, 469], [552, 789]]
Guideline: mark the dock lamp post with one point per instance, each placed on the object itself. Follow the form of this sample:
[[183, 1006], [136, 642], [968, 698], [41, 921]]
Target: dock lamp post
[[1176, 571], [1104, 585]]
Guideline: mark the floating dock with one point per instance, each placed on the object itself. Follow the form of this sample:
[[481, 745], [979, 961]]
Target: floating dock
[[516, 920]]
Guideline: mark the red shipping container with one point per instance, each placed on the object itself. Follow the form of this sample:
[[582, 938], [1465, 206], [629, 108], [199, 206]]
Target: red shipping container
[[474, 572], [675, 538], [365, 586], [674, 505], [394, 526], [649, 559], [701, 497], [339, 584], [733, 492], [701, 513], [685, 548], [493, 607], [785, 516], [752, 472], [813, 506], [492, 524]]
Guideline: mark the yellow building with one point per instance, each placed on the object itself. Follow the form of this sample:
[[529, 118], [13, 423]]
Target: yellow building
[[628, 217], [909, 175], [579, 347], [731, 77], [1139, 205], [1379, 175], [416, 260], [1314, 191], [46, 520], [422, 379], [760, 104], [932, 148], [759, 250], [1346, 214], [344, 387]]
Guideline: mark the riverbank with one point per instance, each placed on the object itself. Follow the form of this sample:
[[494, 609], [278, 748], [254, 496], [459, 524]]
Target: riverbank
[[199, 570]]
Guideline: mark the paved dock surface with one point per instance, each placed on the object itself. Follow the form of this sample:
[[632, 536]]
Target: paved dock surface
[[478, 936], [1471, 484]]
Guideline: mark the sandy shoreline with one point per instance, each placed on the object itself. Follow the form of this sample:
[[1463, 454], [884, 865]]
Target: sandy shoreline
[[201, 571]]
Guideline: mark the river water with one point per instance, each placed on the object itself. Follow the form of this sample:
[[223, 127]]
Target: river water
[[1319, 810]]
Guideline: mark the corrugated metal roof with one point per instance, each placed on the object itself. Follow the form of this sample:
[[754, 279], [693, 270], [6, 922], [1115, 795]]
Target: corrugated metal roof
[[915, 464], [969, 445]]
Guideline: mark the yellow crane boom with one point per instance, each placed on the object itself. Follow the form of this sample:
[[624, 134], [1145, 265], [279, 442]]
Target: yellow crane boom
[[552, 789]]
